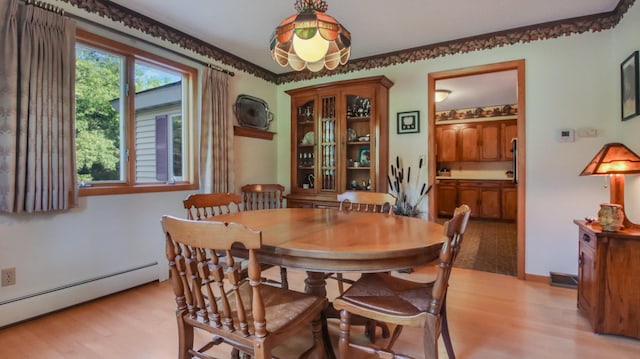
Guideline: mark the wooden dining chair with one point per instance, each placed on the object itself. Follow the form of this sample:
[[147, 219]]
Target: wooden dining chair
[[389, 299], [365, 201], [250, 317], [265, 196], [262, 196], [206, 205]]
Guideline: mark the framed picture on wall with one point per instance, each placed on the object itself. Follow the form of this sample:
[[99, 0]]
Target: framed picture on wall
[[629, 96], [409, 122]]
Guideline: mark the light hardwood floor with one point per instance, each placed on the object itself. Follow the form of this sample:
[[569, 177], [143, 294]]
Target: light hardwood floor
[[491, 316]]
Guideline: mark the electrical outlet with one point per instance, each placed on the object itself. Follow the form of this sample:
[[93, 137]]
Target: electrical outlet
[[8, 277]]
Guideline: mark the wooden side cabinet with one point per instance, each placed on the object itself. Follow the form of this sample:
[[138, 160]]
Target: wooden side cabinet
[[608, 280]]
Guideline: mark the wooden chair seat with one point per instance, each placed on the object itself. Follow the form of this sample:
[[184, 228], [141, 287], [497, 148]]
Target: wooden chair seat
[[281, 307], [381, 293]]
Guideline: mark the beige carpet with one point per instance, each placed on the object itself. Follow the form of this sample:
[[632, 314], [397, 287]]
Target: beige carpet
[[490, 247]]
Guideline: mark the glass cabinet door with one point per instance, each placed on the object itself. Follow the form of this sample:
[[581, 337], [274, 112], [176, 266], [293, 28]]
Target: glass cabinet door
[[339, 140], [305, 145], [359, 134], [328, 141]]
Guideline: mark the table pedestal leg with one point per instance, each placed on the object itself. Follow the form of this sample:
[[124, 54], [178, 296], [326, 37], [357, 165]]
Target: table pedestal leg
[[315, 284]]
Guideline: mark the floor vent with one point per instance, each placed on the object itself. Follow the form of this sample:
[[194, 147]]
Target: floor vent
[[563, 280]]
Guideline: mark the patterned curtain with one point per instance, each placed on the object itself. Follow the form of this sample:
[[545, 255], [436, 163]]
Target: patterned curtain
[[216, 134], [37, 110]]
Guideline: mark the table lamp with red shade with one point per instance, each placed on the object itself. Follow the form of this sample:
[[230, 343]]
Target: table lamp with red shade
[[614, 160]]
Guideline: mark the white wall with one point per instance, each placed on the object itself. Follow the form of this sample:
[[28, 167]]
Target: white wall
[[256, 159], [108, 236], [571, 82], [626, 41]]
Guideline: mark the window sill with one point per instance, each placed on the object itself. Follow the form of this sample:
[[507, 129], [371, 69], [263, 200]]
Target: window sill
[[107, 190]]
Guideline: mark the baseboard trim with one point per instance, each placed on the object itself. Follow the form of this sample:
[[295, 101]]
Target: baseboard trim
[[536, 278], [25, 307]]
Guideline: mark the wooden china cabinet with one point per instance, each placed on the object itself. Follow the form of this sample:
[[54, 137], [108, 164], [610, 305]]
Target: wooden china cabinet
[[339, 140]]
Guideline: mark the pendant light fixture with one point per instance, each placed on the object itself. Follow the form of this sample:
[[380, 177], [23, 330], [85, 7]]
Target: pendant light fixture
[[311, 39]]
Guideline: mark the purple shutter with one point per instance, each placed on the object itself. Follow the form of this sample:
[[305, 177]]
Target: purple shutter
[[162, 148]]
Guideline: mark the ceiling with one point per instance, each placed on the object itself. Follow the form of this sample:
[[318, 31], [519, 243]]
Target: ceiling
[[244, 27], [491, 89]]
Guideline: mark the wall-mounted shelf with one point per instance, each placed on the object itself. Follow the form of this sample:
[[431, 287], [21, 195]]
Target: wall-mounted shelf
[[253, 133]]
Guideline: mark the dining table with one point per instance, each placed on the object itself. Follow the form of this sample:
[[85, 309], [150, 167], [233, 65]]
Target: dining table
[[328, 240]]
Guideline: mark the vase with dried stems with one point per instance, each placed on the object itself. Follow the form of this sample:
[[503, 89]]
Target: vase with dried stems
[[409, 191]]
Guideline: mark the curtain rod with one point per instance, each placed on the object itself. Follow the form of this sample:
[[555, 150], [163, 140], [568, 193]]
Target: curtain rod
[[124, 34]]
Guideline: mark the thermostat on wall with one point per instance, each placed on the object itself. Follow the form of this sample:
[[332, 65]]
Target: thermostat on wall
[[565, 135]]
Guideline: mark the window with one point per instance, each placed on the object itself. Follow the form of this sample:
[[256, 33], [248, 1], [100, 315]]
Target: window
[[135, 115]]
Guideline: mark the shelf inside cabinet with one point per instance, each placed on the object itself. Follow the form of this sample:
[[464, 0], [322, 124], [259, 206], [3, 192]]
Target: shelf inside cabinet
[[359, 119], [358, 143], [359, 168]]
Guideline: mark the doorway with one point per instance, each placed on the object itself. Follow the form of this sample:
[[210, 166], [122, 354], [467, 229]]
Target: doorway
[[470, 147]]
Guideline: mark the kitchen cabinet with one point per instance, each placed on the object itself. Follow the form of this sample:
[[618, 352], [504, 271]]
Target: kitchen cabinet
[[447, 194], [469, 146], [483, 197], [490, 141], [492, 199], [480, 142], [608, 281], [339, 140], [469, 142], [446, 143], [509, 131], [509, 202]]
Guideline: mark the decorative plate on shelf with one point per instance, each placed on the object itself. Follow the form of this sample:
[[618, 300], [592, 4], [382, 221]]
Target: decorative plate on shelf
[[309, 138], [252, 112]]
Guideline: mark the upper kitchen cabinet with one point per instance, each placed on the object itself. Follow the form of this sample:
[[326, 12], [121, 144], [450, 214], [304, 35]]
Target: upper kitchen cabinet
[[468, 142], [447, 143], [509, 132], [339, 140]]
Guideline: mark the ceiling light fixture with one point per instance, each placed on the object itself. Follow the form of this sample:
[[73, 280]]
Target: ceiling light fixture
[[441, 95], [311, 39]]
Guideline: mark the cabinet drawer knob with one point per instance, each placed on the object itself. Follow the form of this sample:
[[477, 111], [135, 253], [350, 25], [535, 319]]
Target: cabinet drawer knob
[[586, 237]]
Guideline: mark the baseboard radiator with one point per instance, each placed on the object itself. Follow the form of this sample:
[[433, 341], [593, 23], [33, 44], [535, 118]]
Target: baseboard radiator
[[32, 305]]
